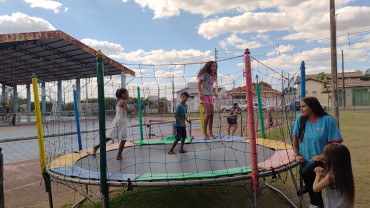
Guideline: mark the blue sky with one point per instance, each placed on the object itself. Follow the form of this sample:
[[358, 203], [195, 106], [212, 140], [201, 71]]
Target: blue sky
[[279, 33]]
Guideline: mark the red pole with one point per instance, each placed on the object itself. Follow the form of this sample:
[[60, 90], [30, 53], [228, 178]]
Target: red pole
[[251, 126]]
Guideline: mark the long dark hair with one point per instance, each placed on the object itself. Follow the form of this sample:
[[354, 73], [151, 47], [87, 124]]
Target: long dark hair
[[338, 162], [120, 92], [207, 68], [316, 108]]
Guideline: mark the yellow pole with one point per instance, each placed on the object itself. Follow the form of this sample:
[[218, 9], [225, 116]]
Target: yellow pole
[[201, 114], [39, 125]]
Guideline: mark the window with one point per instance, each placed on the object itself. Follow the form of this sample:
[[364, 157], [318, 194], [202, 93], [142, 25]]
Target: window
[[314, 92], [306, 92]]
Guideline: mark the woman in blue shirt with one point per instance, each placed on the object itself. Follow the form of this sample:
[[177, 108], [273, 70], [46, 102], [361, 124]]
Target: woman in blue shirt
[[312, 130]]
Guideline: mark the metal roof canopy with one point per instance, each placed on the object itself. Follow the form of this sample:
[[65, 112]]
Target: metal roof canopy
[[52, 56]]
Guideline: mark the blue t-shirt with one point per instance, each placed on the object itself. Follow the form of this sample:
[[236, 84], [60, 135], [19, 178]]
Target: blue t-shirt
[[317, 134], [181, 111]]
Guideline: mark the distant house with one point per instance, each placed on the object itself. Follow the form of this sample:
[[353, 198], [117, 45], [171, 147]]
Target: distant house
[[269, 96], [357, 91], [193, 101]]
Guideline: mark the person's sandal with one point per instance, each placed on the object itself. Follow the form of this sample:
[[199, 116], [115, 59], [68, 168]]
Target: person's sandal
[[302, 191], [182, 151]]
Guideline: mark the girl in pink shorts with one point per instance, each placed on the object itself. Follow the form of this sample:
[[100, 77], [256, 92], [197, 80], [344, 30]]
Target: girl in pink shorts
[[207, 76]]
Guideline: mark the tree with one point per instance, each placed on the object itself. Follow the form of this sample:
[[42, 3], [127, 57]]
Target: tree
[[324, 79], [321, 76], [367, 73], [265, 84]]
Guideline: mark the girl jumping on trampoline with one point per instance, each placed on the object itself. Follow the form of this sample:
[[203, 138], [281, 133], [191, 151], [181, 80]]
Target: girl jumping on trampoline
[[336, 177], [207, 76], [118, 128]]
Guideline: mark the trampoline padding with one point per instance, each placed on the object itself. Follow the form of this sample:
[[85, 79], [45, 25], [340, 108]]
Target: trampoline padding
[[183, 176], [274, 144], [279, 159]]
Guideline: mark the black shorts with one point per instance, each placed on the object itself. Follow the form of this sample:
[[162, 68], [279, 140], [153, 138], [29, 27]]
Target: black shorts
[[232, 120], [180, 132]]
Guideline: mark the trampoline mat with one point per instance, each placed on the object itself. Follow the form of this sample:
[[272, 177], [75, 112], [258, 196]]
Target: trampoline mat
[[152, 162]]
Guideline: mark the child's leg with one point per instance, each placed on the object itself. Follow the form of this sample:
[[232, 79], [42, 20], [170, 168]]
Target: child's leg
[[120, 149], [173, 147], [228, 129], [207, 111], [96, 147], [235, 128], [182, 146], [210, 121]]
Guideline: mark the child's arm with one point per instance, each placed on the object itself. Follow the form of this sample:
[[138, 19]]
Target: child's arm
[[179, 120], [320, 185], [214, 92], [123, 104], [200, 89], [188, 120]]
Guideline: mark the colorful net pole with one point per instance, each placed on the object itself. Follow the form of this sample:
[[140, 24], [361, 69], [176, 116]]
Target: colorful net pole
[[41, 140], [77, 118], [140, 114], [251, 125], [303, 80], [101, 103], [40, 134], [260, 110]]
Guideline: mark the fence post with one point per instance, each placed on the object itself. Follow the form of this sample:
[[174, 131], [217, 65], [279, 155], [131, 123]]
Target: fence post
[[2, 203]]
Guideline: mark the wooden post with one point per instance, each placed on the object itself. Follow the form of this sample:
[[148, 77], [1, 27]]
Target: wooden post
[[334, 76], [343, 90]]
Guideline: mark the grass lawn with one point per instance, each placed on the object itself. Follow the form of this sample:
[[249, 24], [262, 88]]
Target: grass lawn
[[355, 129]]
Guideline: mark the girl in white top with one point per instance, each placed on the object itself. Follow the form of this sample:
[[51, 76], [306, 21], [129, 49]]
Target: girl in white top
[[337, 177], [207, 77], [118, 128]]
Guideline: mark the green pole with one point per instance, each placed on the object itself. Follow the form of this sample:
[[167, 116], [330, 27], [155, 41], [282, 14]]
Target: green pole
[[140, 114], [260, 110], [101, 104]]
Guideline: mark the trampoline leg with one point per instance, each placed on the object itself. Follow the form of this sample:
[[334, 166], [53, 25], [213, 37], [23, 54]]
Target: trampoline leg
[[83, 199], [296, 188], [277, 190]]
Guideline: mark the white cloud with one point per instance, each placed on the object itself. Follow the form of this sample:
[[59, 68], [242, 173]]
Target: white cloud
[[66, 9], [318, 26], [112, 50], [246, 23], [46, 4], [234, 41], [168, 8], [165, 57], [281, 49], [19, 22]]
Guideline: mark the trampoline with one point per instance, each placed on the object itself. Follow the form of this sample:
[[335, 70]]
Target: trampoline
[[226, 158]]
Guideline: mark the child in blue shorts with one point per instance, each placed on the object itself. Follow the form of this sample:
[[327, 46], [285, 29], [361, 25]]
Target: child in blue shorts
[[180, 125]]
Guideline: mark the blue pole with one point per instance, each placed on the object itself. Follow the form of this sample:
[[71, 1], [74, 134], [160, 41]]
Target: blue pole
[[77, 118], [303, 80]]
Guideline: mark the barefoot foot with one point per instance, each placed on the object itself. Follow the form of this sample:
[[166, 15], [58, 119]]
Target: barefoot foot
[[119, 158], [213, 136], [95, 149], [182, 151], [206, 136], [171, 152]]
